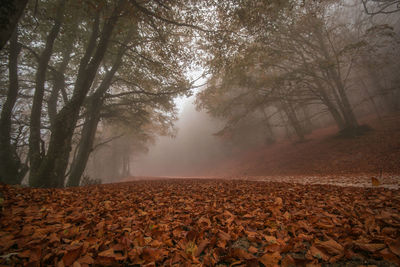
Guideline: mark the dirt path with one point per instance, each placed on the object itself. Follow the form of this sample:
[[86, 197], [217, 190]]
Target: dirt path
[[209, 222]]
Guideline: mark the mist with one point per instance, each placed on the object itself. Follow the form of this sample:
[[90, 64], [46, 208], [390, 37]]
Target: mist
[[194, 151]]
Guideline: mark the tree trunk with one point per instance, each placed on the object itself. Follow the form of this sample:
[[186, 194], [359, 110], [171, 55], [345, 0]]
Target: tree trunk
[[293, 120], [330, 105], [91, 121], [12, 171], [270, 138], [59, 79], [35, 153], [52, 170], [10, 13], [334, 76], [85, 145], [348, 114]]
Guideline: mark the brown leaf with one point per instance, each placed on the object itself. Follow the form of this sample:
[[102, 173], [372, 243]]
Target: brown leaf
[[270, 259], [86, 260], [272, 248], [270, 239], [394, 246], [316, 253], [370, 247], [152, 255], [72, 254], [389, 256], [224, 236], [288, 261], [253, 250], [241, 254], [278, 202], [331, 246], [107, 253], [203, 244], [53, 238], [375, 182], [204, 222]]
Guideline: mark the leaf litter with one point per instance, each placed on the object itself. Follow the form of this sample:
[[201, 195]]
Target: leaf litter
[[200, 222]]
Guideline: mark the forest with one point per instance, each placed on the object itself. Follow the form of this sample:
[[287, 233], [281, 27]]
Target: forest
[[199, 133]]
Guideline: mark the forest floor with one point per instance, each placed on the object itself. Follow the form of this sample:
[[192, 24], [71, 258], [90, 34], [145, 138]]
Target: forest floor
[[326, 154], [305, 204], [200, 222]]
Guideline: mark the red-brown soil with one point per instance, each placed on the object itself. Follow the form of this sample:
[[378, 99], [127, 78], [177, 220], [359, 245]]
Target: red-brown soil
[[324, 153]]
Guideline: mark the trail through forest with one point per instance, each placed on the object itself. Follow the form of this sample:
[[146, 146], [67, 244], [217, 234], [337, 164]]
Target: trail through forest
[[200, 222]]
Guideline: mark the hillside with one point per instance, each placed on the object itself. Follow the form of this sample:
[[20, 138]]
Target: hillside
[[325, 153]]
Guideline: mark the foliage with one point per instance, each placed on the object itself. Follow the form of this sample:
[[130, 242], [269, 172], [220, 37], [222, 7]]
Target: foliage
[[91, 62], [302, 62]]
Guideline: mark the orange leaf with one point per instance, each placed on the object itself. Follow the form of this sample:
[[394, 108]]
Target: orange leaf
[[270, 259], [86, 260], [72, 254], [316, 253], [201, 247], [331, 246], [394, 246], [241, 254], [375, 182], [370, 247], [204, 222], [253, 250]]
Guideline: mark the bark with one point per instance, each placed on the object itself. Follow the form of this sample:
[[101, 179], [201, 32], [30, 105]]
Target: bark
[[12, 170], [340, 93], [59, 80], [52, 169], [348, 114], [270, 138], [85, 145], [35, 153], [293, 120], [91, 121], [307, 124], [323, 95], [10, 13], [330, 105]]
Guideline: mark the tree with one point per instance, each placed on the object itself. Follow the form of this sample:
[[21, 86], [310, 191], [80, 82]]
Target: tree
[[296, 59], [10, 13], [84, 56], [12, 170]]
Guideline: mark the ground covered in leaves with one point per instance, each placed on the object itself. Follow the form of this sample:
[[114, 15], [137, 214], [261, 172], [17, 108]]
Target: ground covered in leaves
[[194, 222], [324, 152]]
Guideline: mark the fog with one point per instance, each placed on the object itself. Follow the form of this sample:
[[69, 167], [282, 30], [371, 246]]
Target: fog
[[88, 89], [193, 152]]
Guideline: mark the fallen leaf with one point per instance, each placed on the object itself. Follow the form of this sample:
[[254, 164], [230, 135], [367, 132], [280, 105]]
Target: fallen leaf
[[270, 259], [253, 250], [86, 260], [203, 244], [394, 246], [204, 222], [317, 253], [241, 254], [72, 254], [331, 246], [375, 182], [370, 247]]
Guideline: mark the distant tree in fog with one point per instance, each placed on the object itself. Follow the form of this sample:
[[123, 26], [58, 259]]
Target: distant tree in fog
[[303, 59]]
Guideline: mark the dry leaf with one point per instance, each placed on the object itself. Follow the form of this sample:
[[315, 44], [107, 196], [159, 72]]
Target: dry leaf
[[270, 259]]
